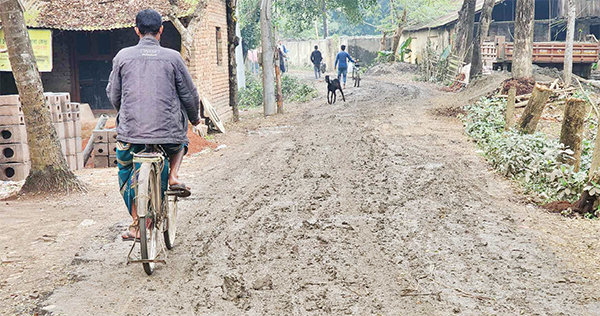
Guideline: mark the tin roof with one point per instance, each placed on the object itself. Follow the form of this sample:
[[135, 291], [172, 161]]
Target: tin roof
[[447, 19], [94, 15]]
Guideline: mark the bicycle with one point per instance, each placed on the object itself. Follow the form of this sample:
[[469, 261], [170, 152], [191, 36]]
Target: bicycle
[[155, 211], [356, 74]]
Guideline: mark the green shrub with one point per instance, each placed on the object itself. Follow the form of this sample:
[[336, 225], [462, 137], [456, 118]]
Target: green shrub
[[252, 94], [293, 90], [531, 159]]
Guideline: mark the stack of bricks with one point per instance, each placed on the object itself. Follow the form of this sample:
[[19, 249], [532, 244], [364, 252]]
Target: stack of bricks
[[14, 151], [105, 148], [67, 122]]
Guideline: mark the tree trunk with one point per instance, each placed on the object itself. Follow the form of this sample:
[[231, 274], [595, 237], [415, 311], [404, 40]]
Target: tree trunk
[[324, 13], [510, 108], [232, 42], [268, 56], [398, 35], [189, 33], [382, 43], [568, 69], [523, 45], [49, 169], [572, 129], [484, 27], [464, 32], [533, 112]]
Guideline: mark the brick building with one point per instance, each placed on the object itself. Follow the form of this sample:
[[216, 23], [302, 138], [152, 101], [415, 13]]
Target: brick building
[[86, 35]]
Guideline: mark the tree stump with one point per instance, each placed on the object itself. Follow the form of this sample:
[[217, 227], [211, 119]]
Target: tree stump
[[571, 133], [533, 112], [510, 108]]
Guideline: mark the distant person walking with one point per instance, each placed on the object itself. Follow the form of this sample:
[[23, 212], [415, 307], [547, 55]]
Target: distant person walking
[[316, 58], [342, 59]]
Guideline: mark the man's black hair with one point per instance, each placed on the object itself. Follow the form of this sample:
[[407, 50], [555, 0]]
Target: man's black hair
[[343, 47], [148, 22], [316, 47]]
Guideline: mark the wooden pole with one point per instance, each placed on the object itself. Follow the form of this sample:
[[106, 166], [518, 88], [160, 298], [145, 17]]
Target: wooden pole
[[572, 129], [510, 108], [279, 95], [568, 66], [268, 55], [533, 112]]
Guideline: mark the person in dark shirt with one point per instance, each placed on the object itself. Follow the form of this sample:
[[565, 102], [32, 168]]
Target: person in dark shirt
[[342, 59], [316, 59]]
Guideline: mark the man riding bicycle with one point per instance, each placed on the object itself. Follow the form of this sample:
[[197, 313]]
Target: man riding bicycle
[[155, 96]]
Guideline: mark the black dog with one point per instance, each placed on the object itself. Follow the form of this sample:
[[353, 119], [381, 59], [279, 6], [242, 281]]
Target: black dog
[[332, 86]]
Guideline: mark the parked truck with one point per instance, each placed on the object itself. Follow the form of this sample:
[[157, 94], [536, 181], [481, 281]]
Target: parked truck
[[499, 55]]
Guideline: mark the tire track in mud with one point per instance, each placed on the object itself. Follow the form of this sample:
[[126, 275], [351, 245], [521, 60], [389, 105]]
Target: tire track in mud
[[365, 207]]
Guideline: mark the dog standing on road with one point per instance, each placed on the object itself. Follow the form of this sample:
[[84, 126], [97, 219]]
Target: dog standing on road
[[332, 86]]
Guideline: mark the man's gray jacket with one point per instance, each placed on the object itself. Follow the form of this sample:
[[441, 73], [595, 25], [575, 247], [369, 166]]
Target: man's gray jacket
[[153, 91]]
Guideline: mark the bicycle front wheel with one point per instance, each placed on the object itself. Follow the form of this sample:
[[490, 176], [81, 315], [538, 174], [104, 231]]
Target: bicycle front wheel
[[146, 204]]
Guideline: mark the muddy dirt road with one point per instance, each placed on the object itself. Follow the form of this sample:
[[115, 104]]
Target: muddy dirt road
[[369, 207]]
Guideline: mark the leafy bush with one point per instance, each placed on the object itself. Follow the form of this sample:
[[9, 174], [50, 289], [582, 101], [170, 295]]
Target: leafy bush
[[252, 94], [531, 159], [293, 90]]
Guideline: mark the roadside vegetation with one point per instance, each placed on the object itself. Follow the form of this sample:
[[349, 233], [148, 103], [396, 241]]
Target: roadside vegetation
[[293, 90], [532, 160]]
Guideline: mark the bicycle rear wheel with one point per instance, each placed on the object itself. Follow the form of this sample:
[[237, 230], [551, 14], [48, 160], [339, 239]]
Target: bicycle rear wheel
[[170, 222], [147, 201]]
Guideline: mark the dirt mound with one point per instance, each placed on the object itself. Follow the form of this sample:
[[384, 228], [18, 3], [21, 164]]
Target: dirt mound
[[391, 68], [524, 86], [453, 111], [558, 206], [198, 143]]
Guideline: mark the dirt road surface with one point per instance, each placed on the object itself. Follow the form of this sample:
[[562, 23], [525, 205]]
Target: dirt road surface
[[374, 206]]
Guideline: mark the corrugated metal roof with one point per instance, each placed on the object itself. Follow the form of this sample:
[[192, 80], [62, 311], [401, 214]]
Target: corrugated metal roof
[[447, 19], [94, 15]]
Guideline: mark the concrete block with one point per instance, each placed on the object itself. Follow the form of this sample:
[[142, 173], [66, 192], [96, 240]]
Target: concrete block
[[52, 98], [14, 153], [80, 161], [112, 161], [75, 108], [100, 136], [100, 161], [63, 97], [11, 109], [72, 162], [101, 149], [69, 129], [76, 116], [112, 135], [14, 171], [66, 108], [13, 134], [67, 116], [63, 146], [57, 118], [12, 120], [60, 130], [10, 99], [112, 149], [71, 146], [54, 108], [77, 128], [78, 145]]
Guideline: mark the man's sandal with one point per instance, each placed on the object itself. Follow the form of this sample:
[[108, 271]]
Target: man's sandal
[[181, 190], [128, 236]]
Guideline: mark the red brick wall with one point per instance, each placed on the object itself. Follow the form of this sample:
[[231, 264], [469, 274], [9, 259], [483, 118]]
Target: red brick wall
[[213, 79]]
